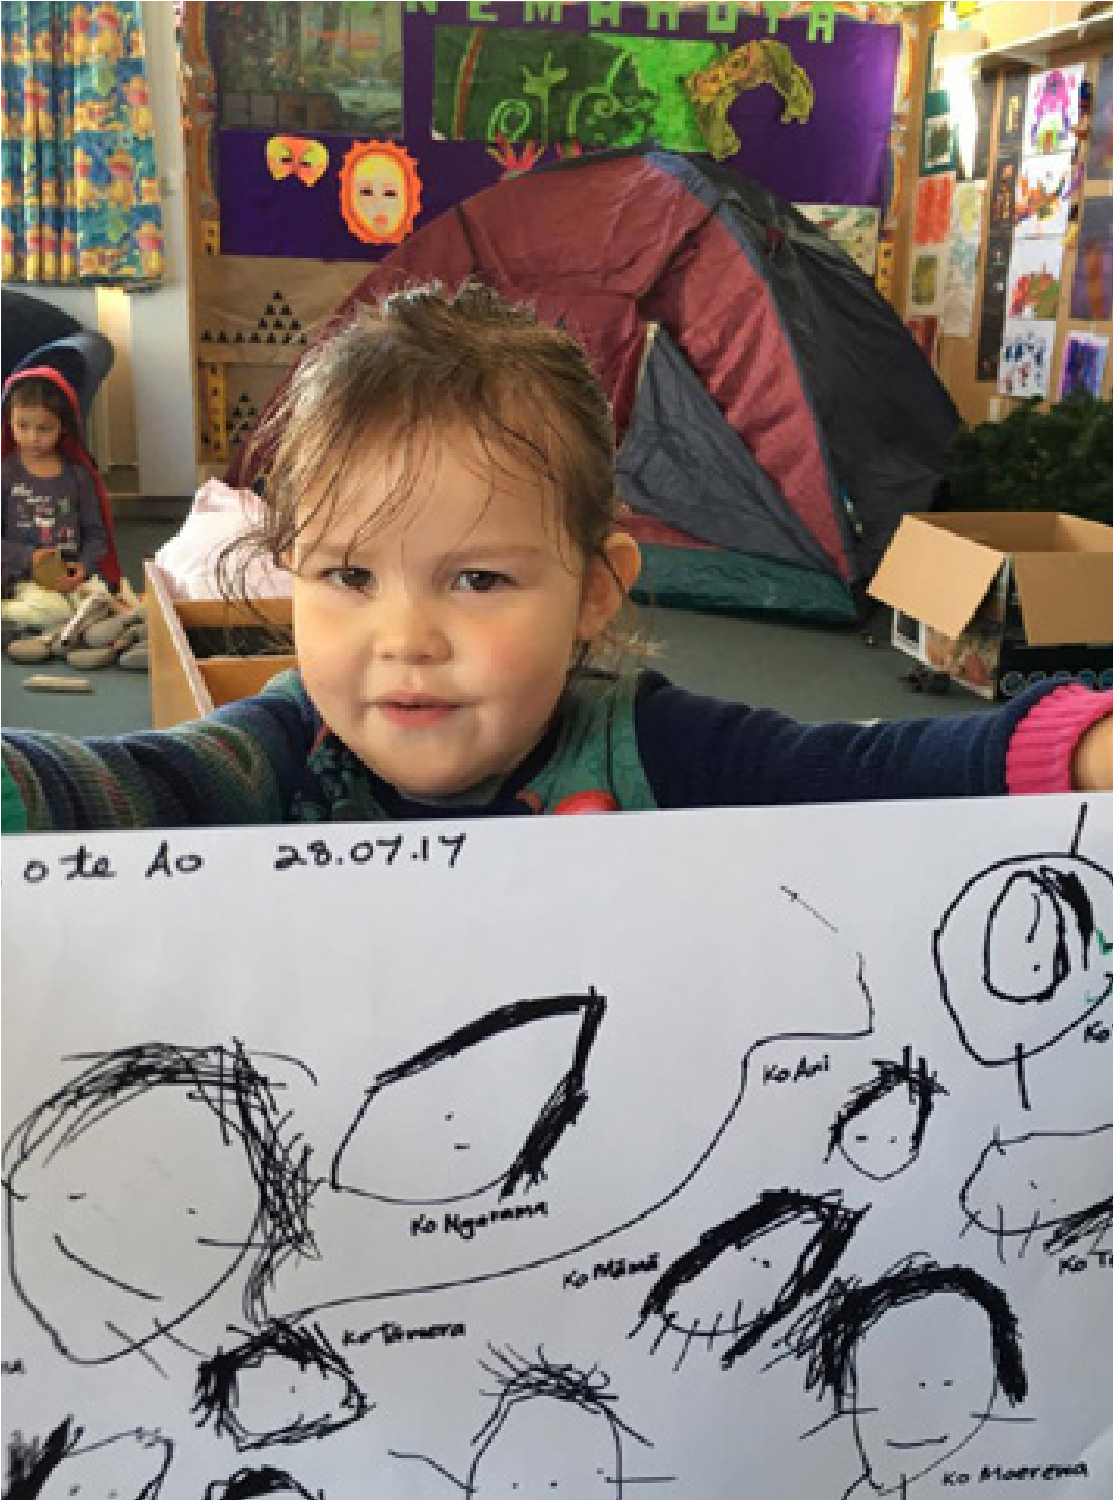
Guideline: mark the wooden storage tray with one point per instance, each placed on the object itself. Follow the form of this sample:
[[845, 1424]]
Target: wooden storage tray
[[183, 687]]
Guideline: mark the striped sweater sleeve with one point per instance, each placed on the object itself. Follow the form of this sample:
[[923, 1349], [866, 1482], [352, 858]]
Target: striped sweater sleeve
[[242, 764]]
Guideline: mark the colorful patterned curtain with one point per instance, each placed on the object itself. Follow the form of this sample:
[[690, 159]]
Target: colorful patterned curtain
[[80, 185]]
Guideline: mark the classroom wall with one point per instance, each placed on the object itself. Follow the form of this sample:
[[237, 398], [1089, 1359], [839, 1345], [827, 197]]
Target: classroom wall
[[978, 400]]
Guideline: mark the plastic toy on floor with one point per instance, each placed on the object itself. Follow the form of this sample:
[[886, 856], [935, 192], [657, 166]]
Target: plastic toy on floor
[[105, 631]]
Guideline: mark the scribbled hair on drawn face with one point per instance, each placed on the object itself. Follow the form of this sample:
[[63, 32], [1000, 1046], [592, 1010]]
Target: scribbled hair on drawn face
[[921, 1086], [831, 1226], [829, 1337], [519, 1381], [241, 1099]]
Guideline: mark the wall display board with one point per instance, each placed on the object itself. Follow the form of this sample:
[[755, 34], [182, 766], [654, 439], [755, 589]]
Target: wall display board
[[1046, 186], [575, 1155], [473, 91], [322, 135]]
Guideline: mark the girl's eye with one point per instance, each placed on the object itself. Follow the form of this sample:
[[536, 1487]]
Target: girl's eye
[[355, 580], [480, 581]]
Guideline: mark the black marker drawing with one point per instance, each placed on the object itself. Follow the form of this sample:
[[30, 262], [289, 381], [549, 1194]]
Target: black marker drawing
[[250, 1484], [553, 1427], [900, 1365], [1043, 927], [107, 1262], [246, 1392], [862, 1028], [126, 1466], [873, 1131], [1021, 1186], [748, 1274], [469, 1131]]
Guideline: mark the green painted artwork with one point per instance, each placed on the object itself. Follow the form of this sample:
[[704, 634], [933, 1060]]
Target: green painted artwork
[[552, 88]]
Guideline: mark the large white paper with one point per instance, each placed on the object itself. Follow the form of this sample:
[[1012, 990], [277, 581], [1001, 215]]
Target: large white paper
[[762, 1153]]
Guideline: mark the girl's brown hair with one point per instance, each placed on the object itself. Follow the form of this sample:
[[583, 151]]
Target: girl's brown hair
[[36, 392], [414, 362]]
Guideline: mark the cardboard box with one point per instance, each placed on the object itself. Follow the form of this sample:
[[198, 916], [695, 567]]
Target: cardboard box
[[999, 600], [186, 684]]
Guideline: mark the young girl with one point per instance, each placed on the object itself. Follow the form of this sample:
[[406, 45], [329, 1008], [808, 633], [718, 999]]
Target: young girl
[[56, 532], [441, 488]]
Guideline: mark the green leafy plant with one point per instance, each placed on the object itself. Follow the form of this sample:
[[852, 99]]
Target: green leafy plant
[[1055, 460]]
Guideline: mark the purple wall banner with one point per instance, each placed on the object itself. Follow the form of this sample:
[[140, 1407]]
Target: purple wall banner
[[839, 155]]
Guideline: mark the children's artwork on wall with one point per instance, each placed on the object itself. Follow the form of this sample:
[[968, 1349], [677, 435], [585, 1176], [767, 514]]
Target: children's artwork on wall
[[1043, 195], [967, 210], [1034, 287], [715, 87], [926, 279], [1026, 357], [536, 84], [314, 67], [939, 144], [962, 258], [960, 287], [1084, 356], [1092, 288], [1099, 162], [557, 1205], [292, 156], [852, 229], [934, 197], [1051, 112], [1002, 198], [380, 192], [1014, 101], [600, 91]]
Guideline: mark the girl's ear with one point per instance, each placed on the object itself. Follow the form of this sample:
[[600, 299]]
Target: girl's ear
[[607, 581]]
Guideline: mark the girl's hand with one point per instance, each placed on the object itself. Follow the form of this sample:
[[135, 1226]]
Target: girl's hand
[[1092, 763]]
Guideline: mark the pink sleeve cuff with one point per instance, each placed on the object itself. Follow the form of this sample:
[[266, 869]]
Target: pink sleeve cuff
[[1039, 755]]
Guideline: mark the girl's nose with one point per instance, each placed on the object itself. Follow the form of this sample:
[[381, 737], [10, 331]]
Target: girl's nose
[[407, 630]]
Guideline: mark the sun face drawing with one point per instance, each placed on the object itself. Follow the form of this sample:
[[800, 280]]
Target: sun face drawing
[[380, 192]]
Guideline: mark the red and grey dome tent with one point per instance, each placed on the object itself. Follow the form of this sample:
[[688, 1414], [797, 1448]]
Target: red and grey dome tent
[[775, 417]]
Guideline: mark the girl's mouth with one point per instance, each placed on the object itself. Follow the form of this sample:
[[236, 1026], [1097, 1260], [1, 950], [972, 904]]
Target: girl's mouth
[[415, 713]]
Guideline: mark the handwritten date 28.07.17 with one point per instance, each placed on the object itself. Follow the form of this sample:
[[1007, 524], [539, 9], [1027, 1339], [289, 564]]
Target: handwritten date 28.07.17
[[387, 849]]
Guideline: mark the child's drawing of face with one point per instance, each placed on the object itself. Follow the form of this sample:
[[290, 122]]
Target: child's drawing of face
[[380, 192], [737, 1290], [547, 1447], [115, 1468], [919, 1396], [113, 1235], [379, 196], [1025, 954], [879, 1142], [462, 1126]]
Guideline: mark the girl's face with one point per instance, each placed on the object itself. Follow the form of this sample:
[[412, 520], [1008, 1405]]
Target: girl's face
[[437, 644], [35, 430]]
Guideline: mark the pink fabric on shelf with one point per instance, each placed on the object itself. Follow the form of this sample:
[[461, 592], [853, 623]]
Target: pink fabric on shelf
[[217, 516], [1039, 754]]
